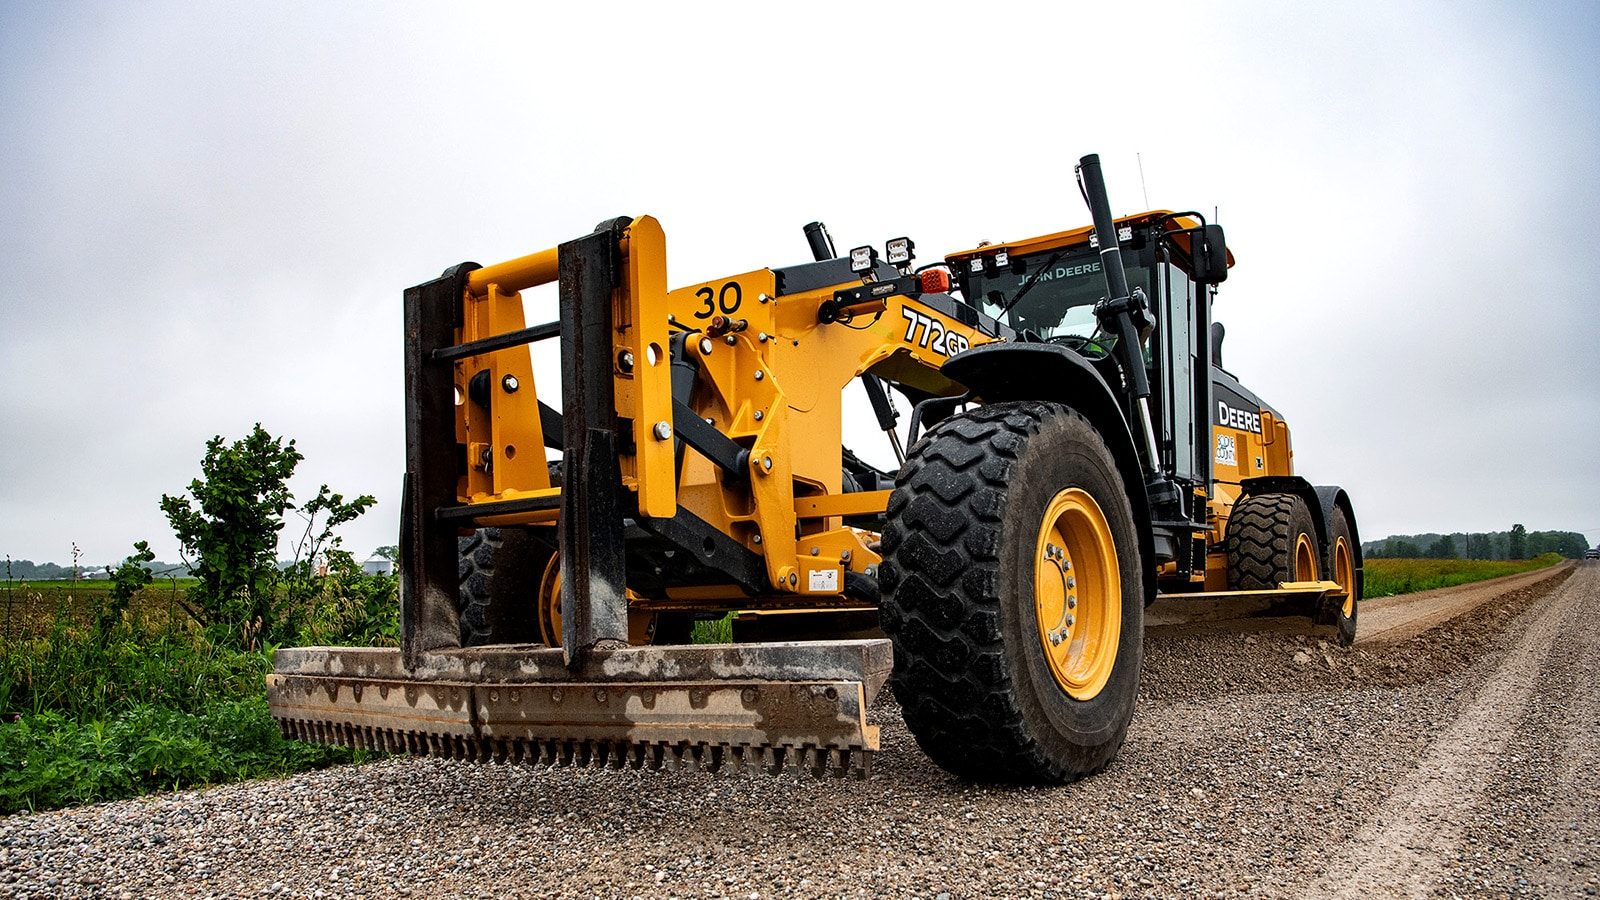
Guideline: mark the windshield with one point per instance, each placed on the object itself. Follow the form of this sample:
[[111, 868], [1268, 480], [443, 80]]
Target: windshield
[[1052, 294]]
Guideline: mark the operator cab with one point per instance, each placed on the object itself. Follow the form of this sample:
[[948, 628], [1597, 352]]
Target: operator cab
[[1046, 289]]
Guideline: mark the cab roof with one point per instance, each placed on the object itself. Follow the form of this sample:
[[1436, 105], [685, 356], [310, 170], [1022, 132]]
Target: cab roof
[[1060, 239]]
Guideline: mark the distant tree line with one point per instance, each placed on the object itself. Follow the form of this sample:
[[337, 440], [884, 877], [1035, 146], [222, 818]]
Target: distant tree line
[[28, 570], [1518, 543]]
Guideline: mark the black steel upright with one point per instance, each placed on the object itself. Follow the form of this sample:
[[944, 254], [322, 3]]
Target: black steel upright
[[429, 582], [594, 604]]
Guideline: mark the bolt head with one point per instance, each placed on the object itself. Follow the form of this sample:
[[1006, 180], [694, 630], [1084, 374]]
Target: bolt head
[[760, 374], [1071, 620], [730, 340], [705, 346], [663, 431], [763, 337], [1072, 601], [510, 384], [625, 360], [766, 463], [1072, 581], [759, 415]]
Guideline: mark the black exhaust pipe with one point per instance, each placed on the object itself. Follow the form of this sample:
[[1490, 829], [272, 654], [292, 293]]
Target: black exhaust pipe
[[1124, 315], [821, 243]]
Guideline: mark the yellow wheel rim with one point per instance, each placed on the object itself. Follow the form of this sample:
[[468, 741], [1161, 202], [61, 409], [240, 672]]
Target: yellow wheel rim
[[1305, 559], [1344, 574], [1077, 593], [641, 623], [549, 601]]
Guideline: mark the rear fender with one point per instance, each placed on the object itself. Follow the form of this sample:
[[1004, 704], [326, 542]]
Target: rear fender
[[998, 372], [1329, 498]]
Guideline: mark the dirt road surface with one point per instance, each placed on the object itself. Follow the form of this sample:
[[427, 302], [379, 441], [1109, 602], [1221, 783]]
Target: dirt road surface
[[1462, 760]]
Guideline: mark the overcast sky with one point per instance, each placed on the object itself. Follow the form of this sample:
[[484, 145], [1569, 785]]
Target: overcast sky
[[208, 212]]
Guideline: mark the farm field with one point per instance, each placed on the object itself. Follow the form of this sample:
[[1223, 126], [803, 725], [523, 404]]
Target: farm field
[[1388, 577]]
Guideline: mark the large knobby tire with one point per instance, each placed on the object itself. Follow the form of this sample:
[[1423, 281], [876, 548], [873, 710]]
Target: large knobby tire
[[992, 515], [1340, 609], [499, 574], [1271, 539]]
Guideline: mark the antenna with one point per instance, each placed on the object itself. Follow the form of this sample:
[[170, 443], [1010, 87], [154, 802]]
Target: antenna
[[1146, 190]]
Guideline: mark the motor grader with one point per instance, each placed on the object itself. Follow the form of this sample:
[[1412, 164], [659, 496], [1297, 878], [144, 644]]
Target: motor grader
[[1075, 450]]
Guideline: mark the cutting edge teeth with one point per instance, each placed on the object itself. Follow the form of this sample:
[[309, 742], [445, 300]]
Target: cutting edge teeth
[[726, 759]]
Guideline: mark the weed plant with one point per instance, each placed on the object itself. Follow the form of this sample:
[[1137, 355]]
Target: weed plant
[[1387, 577]]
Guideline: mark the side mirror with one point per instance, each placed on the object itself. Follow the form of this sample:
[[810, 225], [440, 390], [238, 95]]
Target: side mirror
[[1209, 253]]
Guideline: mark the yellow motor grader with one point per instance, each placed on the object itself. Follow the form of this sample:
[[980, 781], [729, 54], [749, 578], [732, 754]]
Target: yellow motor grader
[[1075, 449]]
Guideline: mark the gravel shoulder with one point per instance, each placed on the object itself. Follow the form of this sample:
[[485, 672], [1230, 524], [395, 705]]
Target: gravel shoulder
[[1461, 761]]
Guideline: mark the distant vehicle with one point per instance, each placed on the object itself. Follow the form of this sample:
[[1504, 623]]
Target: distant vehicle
[[1592, 554]]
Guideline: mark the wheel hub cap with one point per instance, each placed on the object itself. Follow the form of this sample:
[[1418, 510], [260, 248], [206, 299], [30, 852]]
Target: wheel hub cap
[[1077, 591]]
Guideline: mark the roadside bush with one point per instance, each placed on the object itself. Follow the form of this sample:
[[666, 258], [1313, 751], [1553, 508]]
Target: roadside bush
[[230, 524], [350, 607]]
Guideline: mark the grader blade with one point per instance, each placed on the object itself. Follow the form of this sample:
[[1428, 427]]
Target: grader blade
[[748, 708]]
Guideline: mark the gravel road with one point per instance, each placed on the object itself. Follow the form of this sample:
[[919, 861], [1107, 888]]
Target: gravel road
[[1462, 762]]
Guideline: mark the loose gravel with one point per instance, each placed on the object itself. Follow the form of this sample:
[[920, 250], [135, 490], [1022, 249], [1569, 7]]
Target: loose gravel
[[1259, 764]]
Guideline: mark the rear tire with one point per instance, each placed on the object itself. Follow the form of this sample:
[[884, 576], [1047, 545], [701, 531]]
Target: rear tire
[[1340, 610], [1271, 539], [992, 511]]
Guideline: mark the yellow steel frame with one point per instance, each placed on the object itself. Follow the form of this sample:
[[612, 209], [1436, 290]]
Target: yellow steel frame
[[770, 379]]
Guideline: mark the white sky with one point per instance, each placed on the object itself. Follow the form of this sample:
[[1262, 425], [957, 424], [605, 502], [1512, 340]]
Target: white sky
[[208, 212]]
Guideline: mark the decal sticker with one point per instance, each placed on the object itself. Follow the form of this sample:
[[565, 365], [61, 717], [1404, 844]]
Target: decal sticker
[[927, 331], [727, 299], [1227, 452], [824, 581], [1242, 419]]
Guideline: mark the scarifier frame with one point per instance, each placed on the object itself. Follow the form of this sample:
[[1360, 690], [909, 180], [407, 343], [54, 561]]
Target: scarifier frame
[[593, 700]]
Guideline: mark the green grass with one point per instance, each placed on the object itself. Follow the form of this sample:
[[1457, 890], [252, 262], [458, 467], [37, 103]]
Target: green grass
[[145, 701], [1387, 577], [50, 759], [718, 631]]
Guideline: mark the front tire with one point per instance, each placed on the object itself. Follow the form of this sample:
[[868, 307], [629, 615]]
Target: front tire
[[1014, 595], [498, 574]]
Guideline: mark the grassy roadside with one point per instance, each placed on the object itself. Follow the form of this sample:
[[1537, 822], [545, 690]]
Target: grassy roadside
[[1387, 577], [96, 707]]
